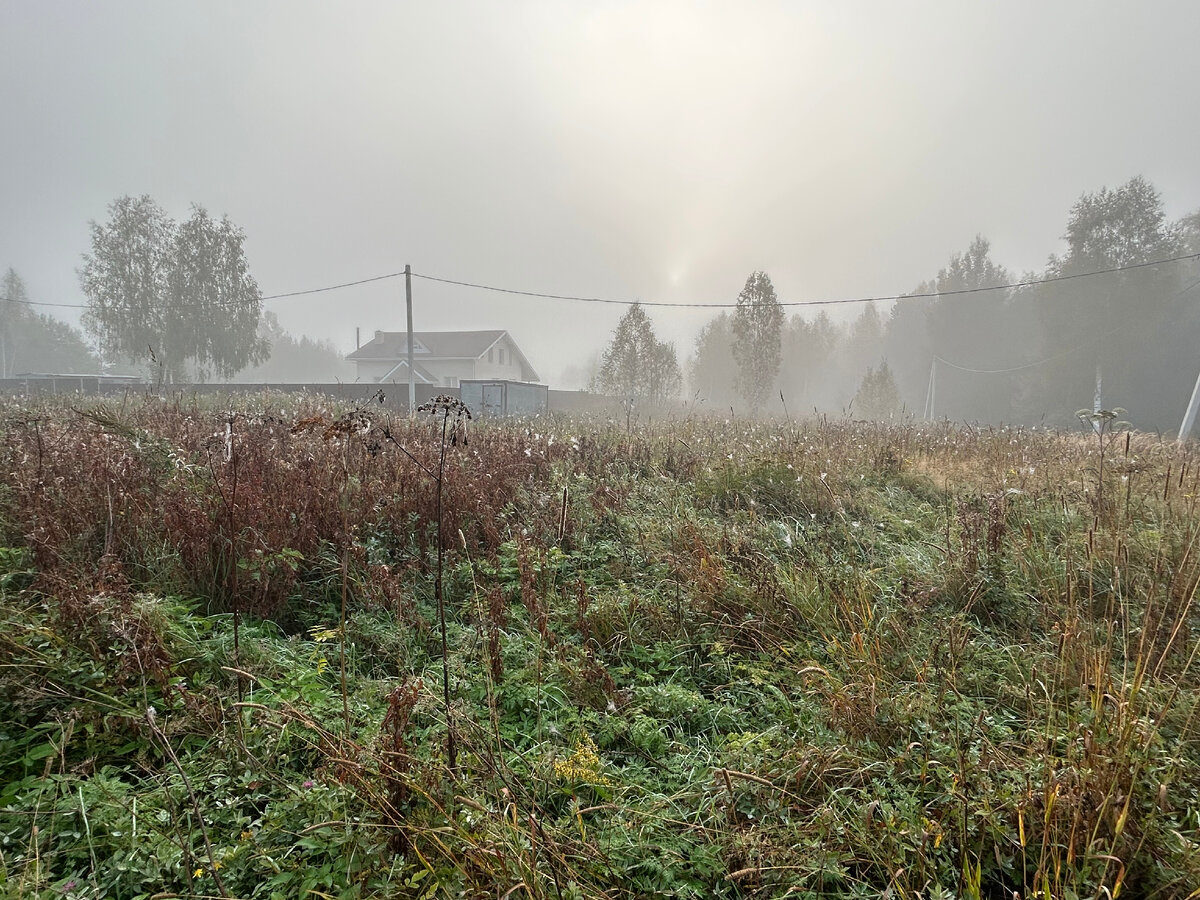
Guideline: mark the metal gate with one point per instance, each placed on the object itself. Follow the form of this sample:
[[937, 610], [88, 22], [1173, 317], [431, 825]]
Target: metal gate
[[493, 400]]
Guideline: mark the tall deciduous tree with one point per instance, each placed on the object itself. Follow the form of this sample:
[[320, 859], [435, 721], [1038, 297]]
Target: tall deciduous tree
[[13, 308], [31, 342], [636, 365], [974, 330], [1189, 234], [757, 326], [712, 370], [805, 374], [181, 293], [864, 341], [1189, 228], [1113, 323]]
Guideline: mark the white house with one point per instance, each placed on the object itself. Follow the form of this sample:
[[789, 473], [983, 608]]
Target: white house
[[442, 358]]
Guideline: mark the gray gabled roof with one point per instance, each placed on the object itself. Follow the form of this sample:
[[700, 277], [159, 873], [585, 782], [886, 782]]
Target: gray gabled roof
[[428, 344], [392, 346]]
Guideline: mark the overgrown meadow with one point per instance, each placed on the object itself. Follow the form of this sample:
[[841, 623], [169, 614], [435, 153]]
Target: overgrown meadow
[[241, 656]]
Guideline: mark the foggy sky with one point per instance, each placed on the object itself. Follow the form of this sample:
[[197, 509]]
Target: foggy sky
[[649, 150]]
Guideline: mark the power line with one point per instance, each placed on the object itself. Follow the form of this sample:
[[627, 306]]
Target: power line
[[1032, 365], [320, 290], [663, 304], [916, 296], [334, 287], [44, 303], [1060, 355]]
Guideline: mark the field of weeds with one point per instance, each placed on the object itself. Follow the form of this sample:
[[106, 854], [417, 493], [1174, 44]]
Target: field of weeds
[[289, 650]]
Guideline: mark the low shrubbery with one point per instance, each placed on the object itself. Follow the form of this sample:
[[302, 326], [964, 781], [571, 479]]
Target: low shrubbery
[[699, 659]]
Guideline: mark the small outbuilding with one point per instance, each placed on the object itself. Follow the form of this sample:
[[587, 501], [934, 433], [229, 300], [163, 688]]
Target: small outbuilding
[[486, 398]]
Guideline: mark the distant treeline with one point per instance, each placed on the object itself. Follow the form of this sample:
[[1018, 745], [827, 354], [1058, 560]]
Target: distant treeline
[[1020, 354]]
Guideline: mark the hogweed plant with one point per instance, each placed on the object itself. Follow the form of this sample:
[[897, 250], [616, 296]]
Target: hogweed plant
[[454, 416], [1106, 425]]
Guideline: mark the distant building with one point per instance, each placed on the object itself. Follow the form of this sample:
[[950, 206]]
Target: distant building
[[442, 358], [495, 397]]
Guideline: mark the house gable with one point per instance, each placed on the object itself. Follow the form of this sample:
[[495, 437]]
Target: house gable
[[445, 357]]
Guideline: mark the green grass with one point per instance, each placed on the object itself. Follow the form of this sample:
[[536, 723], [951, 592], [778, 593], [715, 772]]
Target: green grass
[[701, 659]]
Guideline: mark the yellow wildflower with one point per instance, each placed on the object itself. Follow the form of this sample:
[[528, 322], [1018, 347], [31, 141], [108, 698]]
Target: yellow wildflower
[[583, 764]]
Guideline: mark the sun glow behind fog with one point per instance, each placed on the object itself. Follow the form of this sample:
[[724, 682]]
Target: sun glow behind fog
[[686, 141], [677, 274], [696, 146], [667, 113]]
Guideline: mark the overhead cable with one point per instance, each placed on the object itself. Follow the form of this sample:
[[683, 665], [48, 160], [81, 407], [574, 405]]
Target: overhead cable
[[333, 287], [876, 299], [665, 304], [1060, 355]]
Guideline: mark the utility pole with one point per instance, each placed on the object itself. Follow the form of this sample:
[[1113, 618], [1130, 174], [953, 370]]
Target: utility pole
[[1189, 417], [412, 377], [931, 393]]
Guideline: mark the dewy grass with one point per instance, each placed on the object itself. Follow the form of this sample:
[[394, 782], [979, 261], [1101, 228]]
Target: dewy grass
[[694, 659]]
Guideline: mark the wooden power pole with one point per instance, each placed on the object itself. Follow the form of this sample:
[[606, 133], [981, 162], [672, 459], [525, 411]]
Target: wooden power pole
[[412, 377]]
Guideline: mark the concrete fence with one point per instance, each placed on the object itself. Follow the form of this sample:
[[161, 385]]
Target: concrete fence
[[395, 395]]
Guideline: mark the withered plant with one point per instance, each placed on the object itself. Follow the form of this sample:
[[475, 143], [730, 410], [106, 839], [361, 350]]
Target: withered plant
[[454, 417]]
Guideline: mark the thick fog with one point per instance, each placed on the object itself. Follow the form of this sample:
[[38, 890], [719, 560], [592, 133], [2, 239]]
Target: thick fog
[[653, 151]]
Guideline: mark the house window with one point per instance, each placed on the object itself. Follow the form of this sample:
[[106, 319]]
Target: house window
[[501, 356], [451, 381], [489, 354]]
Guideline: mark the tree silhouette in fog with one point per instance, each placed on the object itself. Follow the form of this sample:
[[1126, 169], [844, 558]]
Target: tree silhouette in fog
[[636, 365], [757, 326], [181, 293]]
